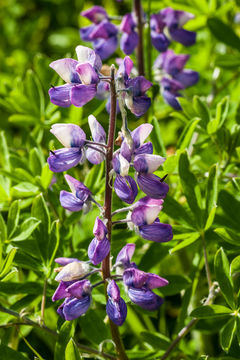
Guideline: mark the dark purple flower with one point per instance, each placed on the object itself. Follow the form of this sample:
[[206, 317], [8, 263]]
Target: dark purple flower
[[156, 231], [147, 163], [159, 39], [136, 278], [78, 199], [99, 247], [81, 78], [125, 188], [145, 298], [152, 185], [129, 39], [116, 307]]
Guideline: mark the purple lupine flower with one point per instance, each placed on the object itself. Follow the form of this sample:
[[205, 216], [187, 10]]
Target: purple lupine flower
[[123, 260], [81, 78], [103, 34], [129, 39], [116, 307], [73, 270], [99, 247], [77, 299], [147, 163], [145, 298], [172, 64], [73, 138], [152, 185], [135, 99], [159, 39], [125, 188], [156, 231], [174, 20], [80, 197]]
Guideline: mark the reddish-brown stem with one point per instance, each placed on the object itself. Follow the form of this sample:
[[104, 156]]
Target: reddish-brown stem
[[140, 56], [108, 205]]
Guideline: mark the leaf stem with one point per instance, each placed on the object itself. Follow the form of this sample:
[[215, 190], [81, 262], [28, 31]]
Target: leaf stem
[[108, 204], [43, 300], [208, 273]]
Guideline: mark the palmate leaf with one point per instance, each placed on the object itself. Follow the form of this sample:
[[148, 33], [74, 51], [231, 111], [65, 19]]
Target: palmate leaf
[[202, 110], [223, 32], [210, 311], [13, 218], [65, 334], [7, 353], [187, 134], [222, 271], [227, 334]]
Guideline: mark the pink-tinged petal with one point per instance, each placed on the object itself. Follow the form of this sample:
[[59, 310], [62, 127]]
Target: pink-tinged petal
[[104, 30], [184, 37], [99, 229], [157, 23], [95, 14], [73, 271], [85, 32], [79, 288], [87, 74], [66, 68], [145, 298], [69, 135], [147, 163], [64, 260], [125, 68], [152, 186], [128, 23], [187, 77], [87, 55], [129, 42], [64, 159], [98, 250], [78, 188], [82, 94], [73, 308], [145, 215], [125, 188], [148, 201], [70, 202], [154, 281], [60, 95], [113, 290], [61, 291], [125, 255], [134, 277], [97, 131], [105, 47], [140, 134], [156, 232]]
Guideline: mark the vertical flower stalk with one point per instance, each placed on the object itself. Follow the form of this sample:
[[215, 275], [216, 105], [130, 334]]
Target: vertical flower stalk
[[108, 203], [140, 56]]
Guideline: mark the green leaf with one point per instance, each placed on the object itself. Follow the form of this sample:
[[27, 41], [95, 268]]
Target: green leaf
[[228, 236], [35, 162], [8, 262], [26, 229], [190, 187], [72, 352], [223, 32], [202, 110], [221, 115], [235, 265], [187, 108], [222, 272], [212, 191], [41, 212], [53, 243], [28, 287], [227, 333], [231, 212], [238, 328], [46, 177], [190, 240], [4, 153], [3, 230], [186, 136], [65, 334], [7, 353], [24, 189], [23, 120], [228, 61], [13, 218], [176, 211], [156, 137], [156, 340], [210, 218], [210, 311], [93, 326]]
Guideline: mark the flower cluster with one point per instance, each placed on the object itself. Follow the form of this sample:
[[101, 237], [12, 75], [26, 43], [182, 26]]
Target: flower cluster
[[83, 76], [169, 69], [77, 290]]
